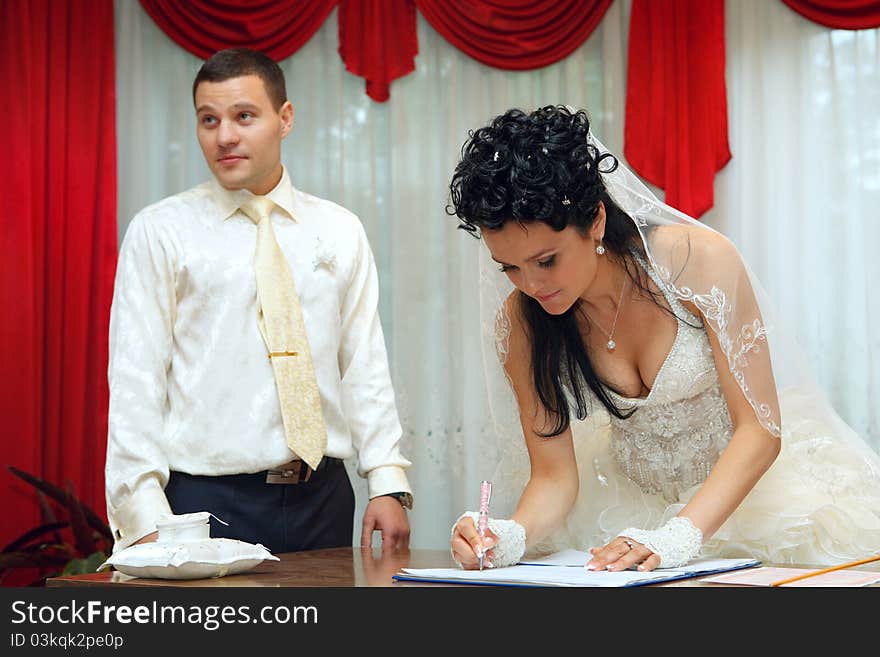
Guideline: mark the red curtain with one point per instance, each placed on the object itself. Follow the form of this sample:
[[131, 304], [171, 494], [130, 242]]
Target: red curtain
[[276, 27], [58, 248], [839, 14], [515, 34], [378, 42], [675, 131], [377, 38]]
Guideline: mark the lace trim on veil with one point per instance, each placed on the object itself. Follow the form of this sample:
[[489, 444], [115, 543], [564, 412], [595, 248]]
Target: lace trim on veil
[[716, 309]]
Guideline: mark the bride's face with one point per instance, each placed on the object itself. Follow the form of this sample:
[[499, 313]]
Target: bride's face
[[554, 268]]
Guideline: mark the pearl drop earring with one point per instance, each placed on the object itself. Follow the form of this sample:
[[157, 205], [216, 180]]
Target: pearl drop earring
[[600, 249]]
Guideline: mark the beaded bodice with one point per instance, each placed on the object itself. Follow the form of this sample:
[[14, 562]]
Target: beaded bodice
[[679, 430]]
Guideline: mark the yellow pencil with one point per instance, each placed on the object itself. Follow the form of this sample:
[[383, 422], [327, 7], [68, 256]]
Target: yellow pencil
[[826, 570]]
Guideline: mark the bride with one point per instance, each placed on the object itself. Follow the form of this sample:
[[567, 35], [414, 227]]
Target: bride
[[649, 406]]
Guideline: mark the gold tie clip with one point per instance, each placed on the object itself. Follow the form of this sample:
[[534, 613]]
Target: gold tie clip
[[275, 354]]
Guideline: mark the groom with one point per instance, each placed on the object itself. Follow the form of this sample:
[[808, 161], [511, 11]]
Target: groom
[[200, 418]]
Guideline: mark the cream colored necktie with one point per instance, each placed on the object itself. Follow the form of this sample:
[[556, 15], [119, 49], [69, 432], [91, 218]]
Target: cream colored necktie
[[280, 320]]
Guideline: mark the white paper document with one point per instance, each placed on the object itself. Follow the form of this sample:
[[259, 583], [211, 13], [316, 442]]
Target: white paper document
[[566, 568], [563, 558]]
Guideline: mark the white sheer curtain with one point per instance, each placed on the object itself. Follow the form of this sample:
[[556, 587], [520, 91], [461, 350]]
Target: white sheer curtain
[[801, 195], [390, 163]]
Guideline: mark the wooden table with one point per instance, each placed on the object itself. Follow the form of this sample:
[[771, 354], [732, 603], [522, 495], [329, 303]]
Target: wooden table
[[336, 567]]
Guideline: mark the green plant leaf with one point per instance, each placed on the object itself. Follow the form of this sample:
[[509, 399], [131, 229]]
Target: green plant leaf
[[85, 566], [36, 559], [82, 534], [36, 532], [61, 497], [47, 512], [45, 509], [96, 559]]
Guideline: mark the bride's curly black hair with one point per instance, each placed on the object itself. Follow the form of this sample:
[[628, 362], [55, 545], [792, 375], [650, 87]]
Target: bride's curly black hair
[[540, 166], [530, 167]]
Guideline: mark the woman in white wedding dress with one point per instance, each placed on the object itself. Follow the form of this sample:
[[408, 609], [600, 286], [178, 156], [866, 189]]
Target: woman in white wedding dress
[[648, 403]]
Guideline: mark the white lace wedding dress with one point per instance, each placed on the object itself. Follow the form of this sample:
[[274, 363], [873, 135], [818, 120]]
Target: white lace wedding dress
[[818, 504]]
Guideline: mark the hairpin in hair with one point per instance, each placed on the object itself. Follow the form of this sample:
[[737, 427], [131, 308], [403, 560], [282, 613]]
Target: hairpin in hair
[[495, 157], [544, 150], [565, 201]]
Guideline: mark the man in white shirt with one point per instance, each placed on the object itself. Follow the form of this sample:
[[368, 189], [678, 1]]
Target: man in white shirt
[[195, 421]]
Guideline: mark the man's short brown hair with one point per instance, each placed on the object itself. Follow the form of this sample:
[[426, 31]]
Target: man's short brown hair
[[238, 62]]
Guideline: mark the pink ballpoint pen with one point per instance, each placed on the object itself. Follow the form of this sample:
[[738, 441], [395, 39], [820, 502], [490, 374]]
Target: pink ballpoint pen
[[483, 522]]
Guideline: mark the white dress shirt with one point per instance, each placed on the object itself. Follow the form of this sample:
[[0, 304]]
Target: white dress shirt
[[191, 387]]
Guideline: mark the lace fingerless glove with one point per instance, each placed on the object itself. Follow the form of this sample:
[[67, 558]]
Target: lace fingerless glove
[[676, 542], [511, 543]]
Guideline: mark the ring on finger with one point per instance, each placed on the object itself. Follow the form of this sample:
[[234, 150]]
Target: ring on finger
[[629, 543]]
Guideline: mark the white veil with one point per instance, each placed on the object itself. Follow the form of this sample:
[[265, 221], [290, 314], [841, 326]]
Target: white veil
[[764, 359]]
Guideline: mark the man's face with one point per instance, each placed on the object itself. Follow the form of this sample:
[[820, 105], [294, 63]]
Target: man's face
[[240, 132]]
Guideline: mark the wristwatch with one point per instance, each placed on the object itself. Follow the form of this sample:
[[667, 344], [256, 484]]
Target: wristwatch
[[405, 499]]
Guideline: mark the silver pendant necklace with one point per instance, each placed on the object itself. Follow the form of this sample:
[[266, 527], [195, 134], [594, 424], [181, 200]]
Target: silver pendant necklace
[[611, 344]]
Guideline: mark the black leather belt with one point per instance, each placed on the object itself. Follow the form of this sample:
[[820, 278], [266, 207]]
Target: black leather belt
[[297, 471]]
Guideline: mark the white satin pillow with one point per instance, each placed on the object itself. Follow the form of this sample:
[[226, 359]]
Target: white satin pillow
[[196, 559]]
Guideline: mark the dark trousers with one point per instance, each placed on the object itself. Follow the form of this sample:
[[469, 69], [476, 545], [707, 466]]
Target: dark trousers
[[313, 514]]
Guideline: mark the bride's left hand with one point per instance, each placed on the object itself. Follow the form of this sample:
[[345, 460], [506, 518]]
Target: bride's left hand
[[622, 553]]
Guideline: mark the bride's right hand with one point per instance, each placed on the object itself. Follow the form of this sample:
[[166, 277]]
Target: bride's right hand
[[466, 544]]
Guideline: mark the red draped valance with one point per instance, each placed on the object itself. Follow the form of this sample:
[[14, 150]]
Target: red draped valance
[[515, 34], [378, 42], [675, 132], [676, 108], [276, 27], [839, 14], [377, 38]]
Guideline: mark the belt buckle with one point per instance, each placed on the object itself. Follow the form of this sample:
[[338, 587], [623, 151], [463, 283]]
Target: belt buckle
[[292, 472]]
